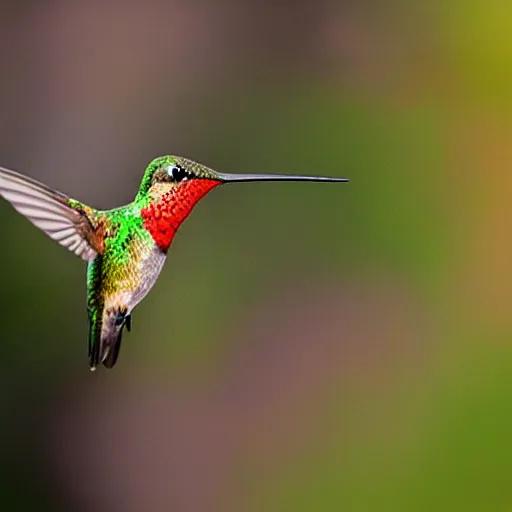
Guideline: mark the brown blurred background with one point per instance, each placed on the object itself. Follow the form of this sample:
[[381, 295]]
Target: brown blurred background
[[307, 347]]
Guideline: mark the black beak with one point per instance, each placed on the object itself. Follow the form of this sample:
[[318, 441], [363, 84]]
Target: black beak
[[233, 178]]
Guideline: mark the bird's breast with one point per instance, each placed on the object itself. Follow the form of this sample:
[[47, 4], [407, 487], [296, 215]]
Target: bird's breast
[[148, 270]]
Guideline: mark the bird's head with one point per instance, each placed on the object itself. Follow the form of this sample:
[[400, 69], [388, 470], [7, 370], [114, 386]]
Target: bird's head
[[173, 185]]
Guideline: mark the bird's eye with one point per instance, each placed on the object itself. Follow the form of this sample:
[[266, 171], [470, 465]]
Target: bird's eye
[[177, 173]]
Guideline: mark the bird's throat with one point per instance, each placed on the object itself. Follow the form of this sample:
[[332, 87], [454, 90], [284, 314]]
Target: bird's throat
[[164, 215]]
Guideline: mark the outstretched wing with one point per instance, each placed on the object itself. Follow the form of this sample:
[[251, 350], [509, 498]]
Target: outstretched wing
[[50, 211]]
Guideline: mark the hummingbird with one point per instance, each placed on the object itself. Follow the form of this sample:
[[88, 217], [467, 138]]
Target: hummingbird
[[125, 248]]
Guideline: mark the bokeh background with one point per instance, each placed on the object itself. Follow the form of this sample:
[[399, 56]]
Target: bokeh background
[[308, 346]]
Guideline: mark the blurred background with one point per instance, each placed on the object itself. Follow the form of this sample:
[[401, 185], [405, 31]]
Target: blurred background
[[308, 346]]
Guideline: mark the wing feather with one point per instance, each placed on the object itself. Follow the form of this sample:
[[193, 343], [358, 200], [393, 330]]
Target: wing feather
[[49, 210]]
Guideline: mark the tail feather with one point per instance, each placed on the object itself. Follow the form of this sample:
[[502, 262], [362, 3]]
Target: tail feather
[[105, 339], [95, 325], [121, 320], [113, 348]]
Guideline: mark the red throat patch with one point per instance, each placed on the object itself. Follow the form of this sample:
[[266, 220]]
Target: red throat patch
[[163, 218]]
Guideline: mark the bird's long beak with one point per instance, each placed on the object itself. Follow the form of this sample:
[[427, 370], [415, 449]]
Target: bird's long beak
[[233, 178]]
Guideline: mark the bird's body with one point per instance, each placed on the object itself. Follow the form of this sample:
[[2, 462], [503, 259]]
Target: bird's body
[[119, 278], [126, 247]]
